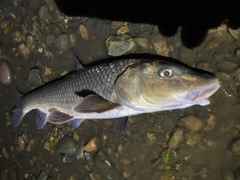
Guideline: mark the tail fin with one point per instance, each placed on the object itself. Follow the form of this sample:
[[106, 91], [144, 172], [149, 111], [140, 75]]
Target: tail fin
[[17, 114]]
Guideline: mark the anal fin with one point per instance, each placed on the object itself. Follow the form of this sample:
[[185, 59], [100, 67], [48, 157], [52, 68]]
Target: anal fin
[[76, 122]]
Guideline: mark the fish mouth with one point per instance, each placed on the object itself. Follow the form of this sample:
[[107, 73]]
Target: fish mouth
[[200, 96]]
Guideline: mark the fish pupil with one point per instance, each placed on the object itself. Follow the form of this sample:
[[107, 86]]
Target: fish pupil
[[166, 73]]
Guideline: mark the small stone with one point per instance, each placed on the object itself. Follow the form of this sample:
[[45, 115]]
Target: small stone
[[160, 45], [88, 156], [21, 143], [235, 33], [24, 50], [34, 78], [5, 153], [43, 13], [48, 145], [47, 71], [66, 145], [151, 137], [190, 122], [116, 24], [75, 136], [120, 148], [83, 32], [51, 4], [18, 36], [193, 138], [142, 42], [119, 45], [68, 158], [73, 39], [166, 175], [50, 39], [169, 156], [91, 146], [5, 74], [32, 145], [104, 136], [123, 30], [63, 42], [235, 147], [211, 121], [43, 175], [176, 138]]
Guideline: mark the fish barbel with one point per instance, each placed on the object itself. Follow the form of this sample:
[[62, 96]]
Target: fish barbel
[[117, 89]]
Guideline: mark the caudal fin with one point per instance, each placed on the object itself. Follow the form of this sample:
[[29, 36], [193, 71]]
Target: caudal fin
[[17, 114]]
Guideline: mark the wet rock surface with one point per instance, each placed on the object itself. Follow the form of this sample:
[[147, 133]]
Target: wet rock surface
[[193, 143]]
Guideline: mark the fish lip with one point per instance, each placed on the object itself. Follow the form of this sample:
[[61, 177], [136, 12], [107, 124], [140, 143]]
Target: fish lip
[[200, 96]]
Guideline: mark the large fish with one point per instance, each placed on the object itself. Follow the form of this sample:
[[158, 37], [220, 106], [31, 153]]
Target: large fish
[[117, 89]]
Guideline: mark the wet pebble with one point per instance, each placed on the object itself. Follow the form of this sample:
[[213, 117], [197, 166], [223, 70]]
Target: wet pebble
[[151, 137], [88, 156], [51, 5], [34, 78], [63, 42], [68, 158], [235, 146], [193, 138], [169, 156], [160, 44], [75, 136], [92, 145], [83, 32], [43, 13], [48, 145], [5, 74], [32, 145], [24, 50], [176, 138], [211, 122], [50, 39], [21, 143], [142, 42], [5, 153], [190, 122], [235, 33], [66, 145], [119, 45], [43, 175], [166, 175]]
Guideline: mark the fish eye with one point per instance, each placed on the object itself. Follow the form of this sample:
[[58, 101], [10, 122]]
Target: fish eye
[[165, 72]]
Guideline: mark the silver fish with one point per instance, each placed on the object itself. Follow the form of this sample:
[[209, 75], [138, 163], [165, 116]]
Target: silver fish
[[117, 89]]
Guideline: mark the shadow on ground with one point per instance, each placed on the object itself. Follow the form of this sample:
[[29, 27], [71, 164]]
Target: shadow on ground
[[195, 17]]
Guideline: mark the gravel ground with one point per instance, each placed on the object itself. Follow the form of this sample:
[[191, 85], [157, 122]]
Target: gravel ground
[[193, 143]]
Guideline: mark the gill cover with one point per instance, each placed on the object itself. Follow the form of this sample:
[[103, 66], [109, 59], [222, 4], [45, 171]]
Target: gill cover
[[145, 85]]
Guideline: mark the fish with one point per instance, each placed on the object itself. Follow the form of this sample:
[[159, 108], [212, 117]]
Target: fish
[[117, 89]]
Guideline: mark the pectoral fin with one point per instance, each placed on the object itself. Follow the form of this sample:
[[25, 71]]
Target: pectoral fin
[[95, 103], [57, 117]]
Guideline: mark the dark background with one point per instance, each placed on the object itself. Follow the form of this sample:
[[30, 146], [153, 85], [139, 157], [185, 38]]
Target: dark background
[[195, 17]]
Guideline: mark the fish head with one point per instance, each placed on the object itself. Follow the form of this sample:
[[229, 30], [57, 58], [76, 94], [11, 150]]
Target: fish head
[[161, 85]]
